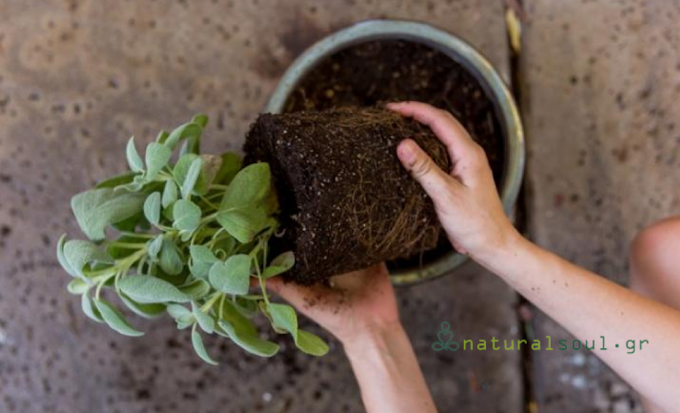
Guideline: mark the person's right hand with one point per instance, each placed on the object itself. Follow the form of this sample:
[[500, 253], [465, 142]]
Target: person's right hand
[[465, 198]]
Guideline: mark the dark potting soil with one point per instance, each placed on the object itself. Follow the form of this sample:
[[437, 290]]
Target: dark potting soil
[[346, 201], [387, 71]]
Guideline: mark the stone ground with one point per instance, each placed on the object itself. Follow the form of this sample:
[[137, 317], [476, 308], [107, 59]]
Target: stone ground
[[76, 80], [598, 83]]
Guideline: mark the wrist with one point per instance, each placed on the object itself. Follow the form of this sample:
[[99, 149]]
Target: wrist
[[497, 250], [371, 337]]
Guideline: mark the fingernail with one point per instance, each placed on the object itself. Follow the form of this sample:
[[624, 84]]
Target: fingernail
[[406, 152]]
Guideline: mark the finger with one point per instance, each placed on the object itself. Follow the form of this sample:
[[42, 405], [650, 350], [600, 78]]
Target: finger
[[300, 297], [424, 170], [452, 134]]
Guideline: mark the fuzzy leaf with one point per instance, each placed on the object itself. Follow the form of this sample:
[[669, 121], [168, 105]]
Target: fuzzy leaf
[[154, 247], [134, 160], [97, 208], [197, 341], [201, 260], [243, 224], [115, 319], [176, 311], [152, 208], [62, 258], [90, 311], [279, 265], [231, 164], [231, 276], [249, 341], [143, 310], [79, 254], [183, 132], [146, 289], [157, 156], [196, 289], [117, 180], [192, 176], [170, 260], [205, 321], [169, 194], [77, 286], [249, 187], [186, 215], [284, 317], [311, 343]]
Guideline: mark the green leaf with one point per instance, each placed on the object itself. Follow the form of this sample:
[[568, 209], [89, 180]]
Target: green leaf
[[170, 260], [231, 276], [97, 208], [196, 289], [249, 341], [152, 208], [154, 247], [134, 160], [279, 265], [197, 341], [137, 184], [143, 310], [200, 119], [230, 313], [62, 258], [117, 180], [77, 286], [90, 311], [243, 224], [311, 344], [183, 132], [231, 164], [157, 156], [115, 319], [206, 322], [146, 289], [283, 317], [249, 187], [176, 311], [79, 254], [209, 166], [201, 260], [191, 177], [187, 215], [169, 194]]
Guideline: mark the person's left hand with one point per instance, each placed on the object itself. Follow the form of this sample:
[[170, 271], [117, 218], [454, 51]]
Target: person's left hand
[[357, 303]]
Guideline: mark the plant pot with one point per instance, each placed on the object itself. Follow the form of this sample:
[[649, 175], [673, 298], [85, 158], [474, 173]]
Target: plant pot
[[457, 50]]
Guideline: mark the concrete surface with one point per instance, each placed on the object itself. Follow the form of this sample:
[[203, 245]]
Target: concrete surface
[[77, 78], [600, 82]]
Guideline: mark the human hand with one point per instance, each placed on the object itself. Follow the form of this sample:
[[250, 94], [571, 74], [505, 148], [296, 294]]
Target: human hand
[[465, 198], [356, 304]]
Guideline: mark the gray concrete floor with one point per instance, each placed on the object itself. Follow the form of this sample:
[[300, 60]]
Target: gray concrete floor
[[599, 84]]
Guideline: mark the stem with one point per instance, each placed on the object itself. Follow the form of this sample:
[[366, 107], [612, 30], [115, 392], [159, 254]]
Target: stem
[[208, 218], [136, 235], [210, 204], [206, 307], [129, 245], [262, 283]]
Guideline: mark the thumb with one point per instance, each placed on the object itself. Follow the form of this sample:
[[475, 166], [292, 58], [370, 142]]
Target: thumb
[[423, 168]]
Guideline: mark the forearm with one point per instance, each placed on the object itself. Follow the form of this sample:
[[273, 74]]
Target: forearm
[[590, 306], [388, 372]]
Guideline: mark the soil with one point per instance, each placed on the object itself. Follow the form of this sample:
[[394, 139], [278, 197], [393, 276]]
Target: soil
[[385, 71], [346, 201]]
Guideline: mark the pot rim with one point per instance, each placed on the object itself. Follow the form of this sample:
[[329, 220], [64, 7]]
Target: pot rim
[[456, 49]]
